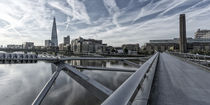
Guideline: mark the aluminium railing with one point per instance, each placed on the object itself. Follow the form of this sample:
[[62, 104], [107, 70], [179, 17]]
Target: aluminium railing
[[127, 90]]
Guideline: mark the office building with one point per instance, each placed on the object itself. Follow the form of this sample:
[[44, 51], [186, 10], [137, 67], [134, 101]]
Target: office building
[[81, 45], [47, 43], [66, 40], [28, 45]]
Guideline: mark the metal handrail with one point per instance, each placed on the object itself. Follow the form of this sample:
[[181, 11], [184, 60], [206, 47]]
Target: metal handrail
[[125, 92], [99, 58], [143, 95], [193, 55]]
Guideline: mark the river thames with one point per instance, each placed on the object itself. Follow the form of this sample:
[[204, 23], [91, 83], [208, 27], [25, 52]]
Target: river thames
[[21, 83]]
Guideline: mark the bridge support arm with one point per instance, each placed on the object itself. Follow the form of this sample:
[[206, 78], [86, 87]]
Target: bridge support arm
[[131, 63], [97, 89], [104, 69], [46, 88]]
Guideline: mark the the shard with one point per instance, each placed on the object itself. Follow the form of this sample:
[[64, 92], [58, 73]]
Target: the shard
[[54, 38]]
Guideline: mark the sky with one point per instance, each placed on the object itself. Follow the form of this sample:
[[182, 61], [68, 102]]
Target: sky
[[115, 22]]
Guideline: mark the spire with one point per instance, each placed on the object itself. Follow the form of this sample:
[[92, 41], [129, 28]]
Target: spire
[[54, 39]]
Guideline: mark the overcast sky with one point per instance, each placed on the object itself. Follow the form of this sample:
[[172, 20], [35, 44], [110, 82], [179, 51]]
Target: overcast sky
[[114, 21]]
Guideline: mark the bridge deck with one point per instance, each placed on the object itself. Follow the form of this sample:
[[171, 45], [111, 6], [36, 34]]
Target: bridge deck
[[179, 83]]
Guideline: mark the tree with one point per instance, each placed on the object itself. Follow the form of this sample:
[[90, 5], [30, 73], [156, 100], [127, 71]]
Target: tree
[[113, 50], [125, 50]]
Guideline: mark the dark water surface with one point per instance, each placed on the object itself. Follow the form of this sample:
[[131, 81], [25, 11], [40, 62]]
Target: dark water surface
[[21, 83]]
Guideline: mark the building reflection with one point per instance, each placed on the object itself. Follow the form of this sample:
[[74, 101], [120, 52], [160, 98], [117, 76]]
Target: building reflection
[[116, 62], [53, 68], [100, 63], [97, 63]]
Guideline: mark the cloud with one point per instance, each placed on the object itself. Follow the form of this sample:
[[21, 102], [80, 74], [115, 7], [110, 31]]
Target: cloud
[[76, 10], [79, 10], [22, 18], [138, 21], [114, 11]]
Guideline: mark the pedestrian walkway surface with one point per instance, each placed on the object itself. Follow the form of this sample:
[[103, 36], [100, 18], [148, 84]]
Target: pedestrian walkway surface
[[179, 83]]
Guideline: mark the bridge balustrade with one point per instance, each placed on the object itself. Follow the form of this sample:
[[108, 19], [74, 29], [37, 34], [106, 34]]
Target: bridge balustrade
[[8, 56], [20, 56], [197, 58], [17, 57], [25, 56], [2, 55]]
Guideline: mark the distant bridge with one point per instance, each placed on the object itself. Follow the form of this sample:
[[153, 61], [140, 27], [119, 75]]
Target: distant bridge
[[163, 79], [26, 50]]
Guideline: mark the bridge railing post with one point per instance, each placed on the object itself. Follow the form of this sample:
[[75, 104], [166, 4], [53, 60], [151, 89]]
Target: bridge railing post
[[205, 59]]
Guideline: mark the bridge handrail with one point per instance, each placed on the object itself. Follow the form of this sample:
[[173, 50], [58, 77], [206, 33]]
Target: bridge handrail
[[193, 55], [99, 58], [16, 56], [125, 92]]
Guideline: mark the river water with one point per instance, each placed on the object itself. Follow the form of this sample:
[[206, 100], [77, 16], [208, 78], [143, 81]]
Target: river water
[[21, 83]]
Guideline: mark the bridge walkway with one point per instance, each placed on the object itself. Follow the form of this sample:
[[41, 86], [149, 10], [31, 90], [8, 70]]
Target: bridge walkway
[[179, 83]]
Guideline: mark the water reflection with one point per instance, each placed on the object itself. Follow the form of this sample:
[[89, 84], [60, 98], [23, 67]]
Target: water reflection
[[21, 83], [97, 63], [53, 68]]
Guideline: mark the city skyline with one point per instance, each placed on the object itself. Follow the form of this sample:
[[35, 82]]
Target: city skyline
[[128, 21]]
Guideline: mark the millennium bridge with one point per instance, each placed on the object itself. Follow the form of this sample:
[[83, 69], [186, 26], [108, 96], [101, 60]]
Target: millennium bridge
[[168, 78]]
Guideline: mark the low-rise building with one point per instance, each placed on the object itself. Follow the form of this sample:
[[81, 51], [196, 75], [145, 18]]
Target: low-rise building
[[132, 49], [64, 47], [204, 34], [13, 46], [119, 50], [47, 43], [39, 47], [28, 45], [101, 48], [110, 50], [173, 45], [81, 45], [61, 46]]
